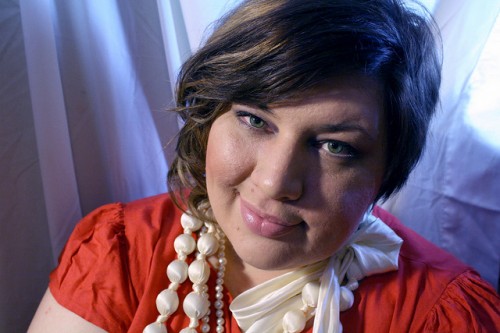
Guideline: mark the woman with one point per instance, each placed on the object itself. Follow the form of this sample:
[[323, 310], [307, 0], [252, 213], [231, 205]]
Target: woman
[[299, 116]]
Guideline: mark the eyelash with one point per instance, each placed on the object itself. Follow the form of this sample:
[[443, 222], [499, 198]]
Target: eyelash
[[347, 150], [246, 118]]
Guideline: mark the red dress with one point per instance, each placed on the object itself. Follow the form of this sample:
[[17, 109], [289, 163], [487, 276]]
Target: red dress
[[113, 267]]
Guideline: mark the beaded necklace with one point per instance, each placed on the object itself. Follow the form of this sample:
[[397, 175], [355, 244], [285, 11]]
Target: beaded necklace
[[376, 241], [196, 305]]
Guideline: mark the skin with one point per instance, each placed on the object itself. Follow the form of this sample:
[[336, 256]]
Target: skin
[[314, 164], [52, 317]]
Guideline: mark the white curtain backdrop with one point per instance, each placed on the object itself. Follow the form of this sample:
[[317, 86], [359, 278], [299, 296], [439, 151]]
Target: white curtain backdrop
[[84, 86], [453, 196]]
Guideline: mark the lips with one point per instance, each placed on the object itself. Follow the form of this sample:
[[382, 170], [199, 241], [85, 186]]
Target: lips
[[262, 224]]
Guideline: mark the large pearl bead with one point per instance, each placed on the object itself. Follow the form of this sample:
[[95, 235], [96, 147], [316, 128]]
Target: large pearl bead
[[346, 299], [184, 244], [188, 330], [310, 294], [167, 302], [190, 222], [196, 305], [177, 271], [208, 244], [294, 321], [155, 328], [199, 271]]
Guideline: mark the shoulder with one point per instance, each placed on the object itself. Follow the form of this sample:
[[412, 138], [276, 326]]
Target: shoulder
[[112, 250], [152, 206], [116, 227], [420, 294], [149, 213], [468, 304], [419, 254], [151, 217]]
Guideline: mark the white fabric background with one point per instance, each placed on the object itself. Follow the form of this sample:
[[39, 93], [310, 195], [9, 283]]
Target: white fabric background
[[83, 89], [453, 196]]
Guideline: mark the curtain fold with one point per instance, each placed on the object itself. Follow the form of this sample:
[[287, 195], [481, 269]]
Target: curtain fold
[[60, 190], [452, 196], [118, 150], [25, 250], [83, 102], [175, 38]]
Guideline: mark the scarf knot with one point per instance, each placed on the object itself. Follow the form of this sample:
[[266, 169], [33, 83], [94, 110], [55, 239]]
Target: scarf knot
[[372, 249]]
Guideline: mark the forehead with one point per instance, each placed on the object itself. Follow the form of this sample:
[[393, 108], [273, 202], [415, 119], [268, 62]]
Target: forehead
[[339, 88], [352, 98]]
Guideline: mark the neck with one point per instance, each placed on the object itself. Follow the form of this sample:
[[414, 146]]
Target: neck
[[241, 276]]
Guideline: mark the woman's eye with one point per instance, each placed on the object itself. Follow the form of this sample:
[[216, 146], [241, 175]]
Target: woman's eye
[[256, 122], [250, 120], [338, 148]]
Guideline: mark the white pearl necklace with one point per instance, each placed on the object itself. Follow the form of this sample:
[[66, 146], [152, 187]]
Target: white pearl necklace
[[295, 321], [196, 304]]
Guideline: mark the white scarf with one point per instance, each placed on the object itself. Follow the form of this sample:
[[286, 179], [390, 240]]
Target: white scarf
[[372, 249]]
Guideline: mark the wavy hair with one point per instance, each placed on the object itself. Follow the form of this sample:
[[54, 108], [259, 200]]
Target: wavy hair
[[267, 51]]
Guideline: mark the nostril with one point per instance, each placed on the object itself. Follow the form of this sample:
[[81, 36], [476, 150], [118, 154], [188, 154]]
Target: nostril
[[279, 170], [280, 186]]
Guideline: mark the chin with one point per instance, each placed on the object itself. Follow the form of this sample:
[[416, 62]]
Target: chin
[[270, 258]]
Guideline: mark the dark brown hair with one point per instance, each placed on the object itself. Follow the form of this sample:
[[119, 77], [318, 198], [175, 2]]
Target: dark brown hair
[[266, 51]]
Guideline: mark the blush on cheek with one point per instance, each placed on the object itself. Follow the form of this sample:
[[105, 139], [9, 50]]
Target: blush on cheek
[[228, 156], [355, 204]]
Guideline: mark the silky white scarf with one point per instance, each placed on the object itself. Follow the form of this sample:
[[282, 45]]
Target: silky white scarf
[[372, 249]]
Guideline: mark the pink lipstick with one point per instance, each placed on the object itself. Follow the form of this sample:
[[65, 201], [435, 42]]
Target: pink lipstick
[[261, 224]]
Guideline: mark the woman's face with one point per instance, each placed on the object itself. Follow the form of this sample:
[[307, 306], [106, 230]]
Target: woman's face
[[289, 184]]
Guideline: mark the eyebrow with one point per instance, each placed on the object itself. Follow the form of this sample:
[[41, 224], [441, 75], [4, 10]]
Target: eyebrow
[[332, 128], [261, 107], [346, 127]]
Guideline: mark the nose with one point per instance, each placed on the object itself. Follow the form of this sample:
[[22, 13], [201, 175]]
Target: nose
[[280, 170]]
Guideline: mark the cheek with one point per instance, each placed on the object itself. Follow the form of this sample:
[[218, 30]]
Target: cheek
[[227, 157], [358, 197], [345, 199], [362, 184]]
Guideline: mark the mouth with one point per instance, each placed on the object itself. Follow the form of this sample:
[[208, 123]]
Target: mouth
[[262, 224]]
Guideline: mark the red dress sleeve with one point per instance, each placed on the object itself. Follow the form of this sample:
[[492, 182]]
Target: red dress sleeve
[[93, 271], [113, 266], [468, 304]]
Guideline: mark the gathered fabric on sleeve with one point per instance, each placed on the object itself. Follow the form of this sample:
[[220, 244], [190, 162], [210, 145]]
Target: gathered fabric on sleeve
[[431, 291], [93, 271], [468, 304], [113, 265]]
